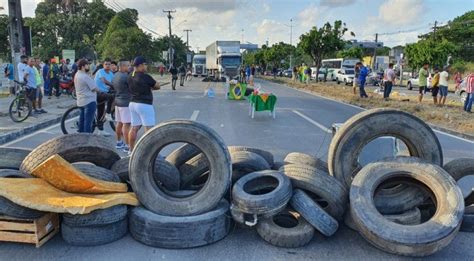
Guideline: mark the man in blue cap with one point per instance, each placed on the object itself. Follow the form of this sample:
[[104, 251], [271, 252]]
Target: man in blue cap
[[141, 108]]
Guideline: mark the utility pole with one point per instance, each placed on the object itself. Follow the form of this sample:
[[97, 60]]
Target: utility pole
[[291, 42], [17, 43], [375, 50], [434, 29], [242, 35], [187, 37], [170, 49]]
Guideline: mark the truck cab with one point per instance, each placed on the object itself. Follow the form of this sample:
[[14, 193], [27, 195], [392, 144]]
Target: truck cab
[[199, 65]]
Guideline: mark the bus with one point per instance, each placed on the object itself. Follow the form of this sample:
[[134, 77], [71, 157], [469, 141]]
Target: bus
[[334, 65]]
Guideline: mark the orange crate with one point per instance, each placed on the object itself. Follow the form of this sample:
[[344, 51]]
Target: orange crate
[[33, 231]]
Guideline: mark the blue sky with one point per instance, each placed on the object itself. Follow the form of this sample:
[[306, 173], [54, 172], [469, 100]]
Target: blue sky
[[264, 20]]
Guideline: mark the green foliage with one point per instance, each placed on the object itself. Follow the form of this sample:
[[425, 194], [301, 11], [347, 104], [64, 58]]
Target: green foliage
[[279, 54], [4, 43], [433, 52], [353, 52]]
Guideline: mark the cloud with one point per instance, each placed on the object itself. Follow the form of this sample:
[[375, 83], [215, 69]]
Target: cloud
[[308, 17], [336, 3], [401, 12], [272, 30]]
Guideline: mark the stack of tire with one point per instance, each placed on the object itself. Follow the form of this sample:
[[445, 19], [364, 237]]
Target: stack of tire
[[94, 156], [404, 205], [190, 214]]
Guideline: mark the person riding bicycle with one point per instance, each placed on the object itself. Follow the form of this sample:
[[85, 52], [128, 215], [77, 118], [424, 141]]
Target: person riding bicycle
[[86, 92], [103, 81], [29, 77]]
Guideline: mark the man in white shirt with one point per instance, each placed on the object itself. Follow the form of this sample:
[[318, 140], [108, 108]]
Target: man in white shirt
[[389, 80], [21, 68], [443, 85]]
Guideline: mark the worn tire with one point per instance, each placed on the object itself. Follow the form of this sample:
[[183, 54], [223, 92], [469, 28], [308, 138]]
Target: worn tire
[[313, 213], [305, 159], [73, 148], [277, 165], [268, 156], [364, 127], [244, 162], [295, 231], [97, 172], [467, 223], [460, 168], [180, 232], [146, 150], [12, 157], [8, 208], [121, 168], [420, 240], [182, 154], [94, 235], [399, 199], [193, 169], [410, 217], [268, 203], [319, 183]]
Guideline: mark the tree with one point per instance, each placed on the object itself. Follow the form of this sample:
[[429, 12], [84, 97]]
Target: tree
[[321, 41], [353, 52], [279, 54], [433, 52], [4, 42]]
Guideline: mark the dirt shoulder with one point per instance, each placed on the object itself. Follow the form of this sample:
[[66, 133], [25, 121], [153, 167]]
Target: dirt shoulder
[[450, 117]]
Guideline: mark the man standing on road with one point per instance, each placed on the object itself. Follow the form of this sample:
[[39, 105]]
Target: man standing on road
[[435, 86], [9, 74], [54, 76], [39, 88], [182, 74], [355, 82], [443, 85], [86, 92], [142, 112], [122, 112], [422, 81], [470, 93], [29, 77], [252, 74], [389, 78], [363, 72], [46, 78], [103, 81], [295, 74], [174, 76], [21, 68]]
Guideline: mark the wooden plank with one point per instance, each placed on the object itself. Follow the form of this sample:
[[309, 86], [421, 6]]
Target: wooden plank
[[7, 218], [17, 237], [45, 239], [46, 226], [12, 226]]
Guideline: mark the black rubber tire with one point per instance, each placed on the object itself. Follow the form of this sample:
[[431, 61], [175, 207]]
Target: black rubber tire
[[459, 168], [366, 126], [410, 217], [74, 148], [319, 183], [268, 203], [8, 208], [245, 162], [313, 213], [305, 159], [268, 156], [420, 240], [182, 154], [97, 172], [147, 149], [180, 232], [296, 232], [98, 217], [121, 168], [277, 165], [193, 169], [399, 199], [467, 223], [94, 235], [12, 157]]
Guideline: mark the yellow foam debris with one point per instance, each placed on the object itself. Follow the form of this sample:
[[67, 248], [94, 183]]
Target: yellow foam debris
[[38, 194], [64, 176]]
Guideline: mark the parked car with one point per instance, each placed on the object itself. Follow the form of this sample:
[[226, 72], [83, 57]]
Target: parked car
[[288, 73], [414, 82], [346, 76]]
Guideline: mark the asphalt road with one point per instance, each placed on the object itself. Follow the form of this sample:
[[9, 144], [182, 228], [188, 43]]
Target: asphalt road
[[302, 123]]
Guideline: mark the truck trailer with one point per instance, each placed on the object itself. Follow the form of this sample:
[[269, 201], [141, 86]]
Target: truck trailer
[[223, 59]]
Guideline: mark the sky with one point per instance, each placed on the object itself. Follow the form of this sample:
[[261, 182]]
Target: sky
[[257, 21]]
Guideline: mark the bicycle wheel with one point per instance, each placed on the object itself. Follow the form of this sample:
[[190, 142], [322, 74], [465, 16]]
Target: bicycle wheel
[[73, 93], [20, 109], [70, 120]]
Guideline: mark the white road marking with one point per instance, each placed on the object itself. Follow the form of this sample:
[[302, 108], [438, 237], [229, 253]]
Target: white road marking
[[360, 108], [312, 121], [34, 133], [194, 115]]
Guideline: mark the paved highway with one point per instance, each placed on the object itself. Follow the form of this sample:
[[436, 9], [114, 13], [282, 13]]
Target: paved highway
[[303, 122]]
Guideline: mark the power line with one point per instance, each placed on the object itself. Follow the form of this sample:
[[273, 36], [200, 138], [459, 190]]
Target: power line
[[138, 22]]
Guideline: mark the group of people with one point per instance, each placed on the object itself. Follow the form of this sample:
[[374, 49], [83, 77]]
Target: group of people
[[130, 87], [302, 73], [247, 74], [181, 71]]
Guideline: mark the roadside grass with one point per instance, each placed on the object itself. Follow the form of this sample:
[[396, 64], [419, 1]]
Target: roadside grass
[[451, 116]]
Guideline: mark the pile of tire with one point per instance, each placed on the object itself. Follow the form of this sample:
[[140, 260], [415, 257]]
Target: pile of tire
[[404, 205], [94, 156]]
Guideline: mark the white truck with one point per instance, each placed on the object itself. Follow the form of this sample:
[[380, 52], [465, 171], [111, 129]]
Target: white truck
[[199, 65], [223, 58]]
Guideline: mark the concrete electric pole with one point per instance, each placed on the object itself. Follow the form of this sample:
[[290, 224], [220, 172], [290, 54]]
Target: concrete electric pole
[[17, 42], [187, 37], [375, 51], [170, 48], [291, 42]]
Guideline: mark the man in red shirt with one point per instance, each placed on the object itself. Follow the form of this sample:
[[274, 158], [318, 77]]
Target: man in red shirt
[[470, 93]]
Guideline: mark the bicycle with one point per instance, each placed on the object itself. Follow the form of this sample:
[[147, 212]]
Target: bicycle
[[68, 126], [21, 107]]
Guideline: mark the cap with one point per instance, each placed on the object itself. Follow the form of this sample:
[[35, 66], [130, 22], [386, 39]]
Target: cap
[[138, 61]]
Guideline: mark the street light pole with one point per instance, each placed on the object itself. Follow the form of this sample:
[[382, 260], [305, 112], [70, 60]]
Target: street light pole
[[16, 32], [170, 50], [291, 42]]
